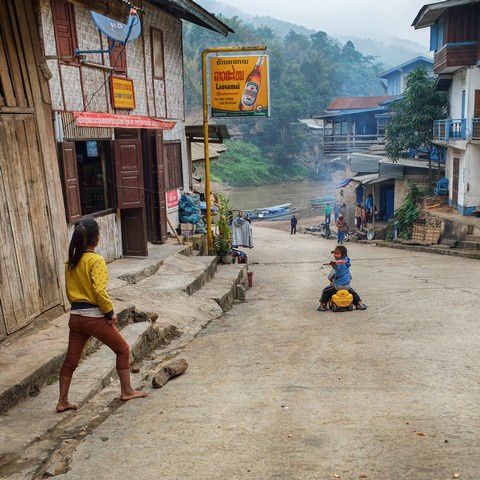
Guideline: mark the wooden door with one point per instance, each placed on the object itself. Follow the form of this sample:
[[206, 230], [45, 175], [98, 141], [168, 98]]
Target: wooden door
[[29, 283], [476, 112], [130, 195], [155, 186], [28, 280], [455, 181]]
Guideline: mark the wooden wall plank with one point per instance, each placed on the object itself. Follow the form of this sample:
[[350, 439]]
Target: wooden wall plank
[[42, 236], [18, 205], [11, 289]]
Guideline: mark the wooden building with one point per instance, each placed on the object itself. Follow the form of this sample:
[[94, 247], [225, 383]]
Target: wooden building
[[32, 217], [122, 176], [69, 147]]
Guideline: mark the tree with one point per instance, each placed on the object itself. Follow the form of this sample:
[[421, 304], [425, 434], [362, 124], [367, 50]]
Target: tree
[[412, 124]]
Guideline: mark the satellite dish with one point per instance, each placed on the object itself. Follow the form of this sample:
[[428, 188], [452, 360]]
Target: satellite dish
[[117, 31]]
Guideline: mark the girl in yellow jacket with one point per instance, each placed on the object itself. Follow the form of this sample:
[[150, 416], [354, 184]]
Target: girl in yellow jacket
[[92, 315]]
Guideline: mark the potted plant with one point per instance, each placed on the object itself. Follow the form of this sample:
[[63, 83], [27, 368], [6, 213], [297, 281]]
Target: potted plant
[[223, 240]]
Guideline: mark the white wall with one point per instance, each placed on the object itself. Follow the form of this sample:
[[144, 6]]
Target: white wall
[[455, 93]]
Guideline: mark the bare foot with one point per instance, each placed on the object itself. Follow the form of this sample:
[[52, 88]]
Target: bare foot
[[64, 407], [133, 394]]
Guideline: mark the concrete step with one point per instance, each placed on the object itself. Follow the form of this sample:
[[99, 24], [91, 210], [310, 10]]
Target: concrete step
[[470, 245], [179, 272], [32, 419], [448, 243], [228, 285], [473, 238], [131, 270], [31, 361]]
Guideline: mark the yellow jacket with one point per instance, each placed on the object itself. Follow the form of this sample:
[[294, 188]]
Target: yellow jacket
[[88, 281]]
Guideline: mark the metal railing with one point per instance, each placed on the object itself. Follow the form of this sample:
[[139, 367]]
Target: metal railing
[[338, 144], [476, 129], [450, 129]]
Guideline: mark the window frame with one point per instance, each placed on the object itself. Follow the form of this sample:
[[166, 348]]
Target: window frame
[[72, 30], [119, 51], [154, 30]]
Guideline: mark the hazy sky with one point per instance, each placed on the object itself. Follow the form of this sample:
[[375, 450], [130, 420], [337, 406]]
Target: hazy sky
[[362, 18]]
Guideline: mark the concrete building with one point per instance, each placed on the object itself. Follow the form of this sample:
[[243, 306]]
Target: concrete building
[[455, 39]]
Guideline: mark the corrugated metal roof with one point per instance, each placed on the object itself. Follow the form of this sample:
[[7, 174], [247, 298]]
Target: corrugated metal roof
[[358, 103], [430, 13], [419, 59], [344, 113], [192, 12], [216, 149]]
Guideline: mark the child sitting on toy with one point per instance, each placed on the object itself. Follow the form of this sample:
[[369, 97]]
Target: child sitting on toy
[[340, 279]]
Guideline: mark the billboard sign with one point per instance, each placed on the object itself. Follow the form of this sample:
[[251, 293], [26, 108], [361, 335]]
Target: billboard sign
[[239, 86]]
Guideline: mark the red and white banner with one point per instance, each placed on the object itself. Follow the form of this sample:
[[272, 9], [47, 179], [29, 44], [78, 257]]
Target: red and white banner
[[112, 120], [173, 199]]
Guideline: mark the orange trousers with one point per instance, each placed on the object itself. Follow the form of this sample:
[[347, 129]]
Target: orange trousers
[[81, 329]]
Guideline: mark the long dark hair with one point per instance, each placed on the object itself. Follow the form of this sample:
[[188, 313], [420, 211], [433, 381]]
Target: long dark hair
[[84, 235]]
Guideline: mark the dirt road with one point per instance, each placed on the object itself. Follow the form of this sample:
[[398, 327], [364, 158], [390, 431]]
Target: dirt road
[[276, 390]]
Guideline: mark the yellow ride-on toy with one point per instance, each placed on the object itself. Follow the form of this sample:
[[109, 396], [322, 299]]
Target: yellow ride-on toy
[[342, 301]]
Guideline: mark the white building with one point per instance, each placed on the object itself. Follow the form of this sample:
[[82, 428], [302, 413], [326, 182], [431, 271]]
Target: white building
[[455, 40]]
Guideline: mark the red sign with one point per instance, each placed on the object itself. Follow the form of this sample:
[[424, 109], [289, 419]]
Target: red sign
[[172, 199], [112, 120]]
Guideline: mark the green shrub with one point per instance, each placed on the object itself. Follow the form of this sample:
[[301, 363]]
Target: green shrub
[[408, 213]]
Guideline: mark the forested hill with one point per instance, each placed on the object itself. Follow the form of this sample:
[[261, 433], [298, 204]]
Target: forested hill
[[307, 71]]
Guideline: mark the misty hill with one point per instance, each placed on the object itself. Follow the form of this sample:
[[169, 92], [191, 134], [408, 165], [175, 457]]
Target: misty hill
[[389, 51]]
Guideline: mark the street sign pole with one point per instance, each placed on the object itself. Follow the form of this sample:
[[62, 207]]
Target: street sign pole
[[205, 54]]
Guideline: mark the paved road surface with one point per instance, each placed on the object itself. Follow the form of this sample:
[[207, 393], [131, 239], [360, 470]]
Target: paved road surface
[[276, 390]]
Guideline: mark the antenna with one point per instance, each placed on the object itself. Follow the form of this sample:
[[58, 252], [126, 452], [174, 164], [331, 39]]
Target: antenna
[[115, 31]]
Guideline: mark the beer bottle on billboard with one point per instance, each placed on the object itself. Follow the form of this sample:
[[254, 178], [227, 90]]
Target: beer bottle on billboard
[[252, 87]]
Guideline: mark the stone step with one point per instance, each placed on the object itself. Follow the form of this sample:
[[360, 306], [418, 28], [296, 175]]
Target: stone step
[[473, 238], [228, 285], [29, 362], [32, 419], [470, 245]]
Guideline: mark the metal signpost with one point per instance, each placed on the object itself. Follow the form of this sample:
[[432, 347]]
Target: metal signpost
[[206, 52]]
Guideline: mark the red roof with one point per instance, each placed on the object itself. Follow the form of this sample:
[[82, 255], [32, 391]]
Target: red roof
[[359, 103]]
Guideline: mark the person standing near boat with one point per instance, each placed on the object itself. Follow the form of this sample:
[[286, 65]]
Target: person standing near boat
[[328, 213], [293, 225]]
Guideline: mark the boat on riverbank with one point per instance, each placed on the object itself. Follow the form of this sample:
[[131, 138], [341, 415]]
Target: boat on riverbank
[[320, 202], [278, 212]]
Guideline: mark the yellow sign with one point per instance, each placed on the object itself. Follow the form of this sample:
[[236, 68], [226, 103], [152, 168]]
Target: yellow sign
[[239, 86], [123, 93]]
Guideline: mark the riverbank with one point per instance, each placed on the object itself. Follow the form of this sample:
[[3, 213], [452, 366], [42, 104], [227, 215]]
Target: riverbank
[[284, 225]]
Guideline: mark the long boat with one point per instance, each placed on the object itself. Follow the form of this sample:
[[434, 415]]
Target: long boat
[[278, 212], [320, 202]]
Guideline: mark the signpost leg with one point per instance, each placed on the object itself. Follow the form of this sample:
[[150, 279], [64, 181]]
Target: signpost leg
[[207, 152]]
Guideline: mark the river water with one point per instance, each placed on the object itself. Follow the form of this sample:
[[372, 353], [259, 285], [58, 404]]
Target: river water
[[300, 194]]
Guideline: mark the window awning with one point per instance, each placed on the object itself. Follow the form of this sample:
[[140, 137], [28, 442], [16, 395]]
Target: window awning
[[113, 120]]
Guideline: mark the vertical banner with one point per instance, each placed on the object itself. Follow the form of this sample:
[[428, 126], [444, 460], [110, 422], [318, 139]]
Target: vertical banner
[[239, 86]]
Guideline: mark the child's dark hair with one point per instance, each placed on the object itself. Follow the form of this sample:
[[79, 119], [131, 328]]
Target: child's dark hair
[[343, 250], [86, 230]]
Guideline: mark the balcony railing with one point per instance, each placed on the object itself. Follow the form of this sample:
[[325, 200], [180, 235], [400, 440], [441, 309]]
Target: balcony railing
[[476, 129], [450, 129], [338, 144]]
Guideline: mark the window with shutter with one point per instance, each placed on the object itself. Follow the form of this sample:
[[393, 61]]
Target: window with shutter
[[118, 59], [64, 25], [173, 160], [158, 67], [70, 181]]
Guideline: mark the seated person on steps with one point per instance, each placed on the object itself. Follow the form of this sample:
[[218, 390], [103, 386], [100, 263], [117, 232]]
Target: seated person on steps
[[340, 279]]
